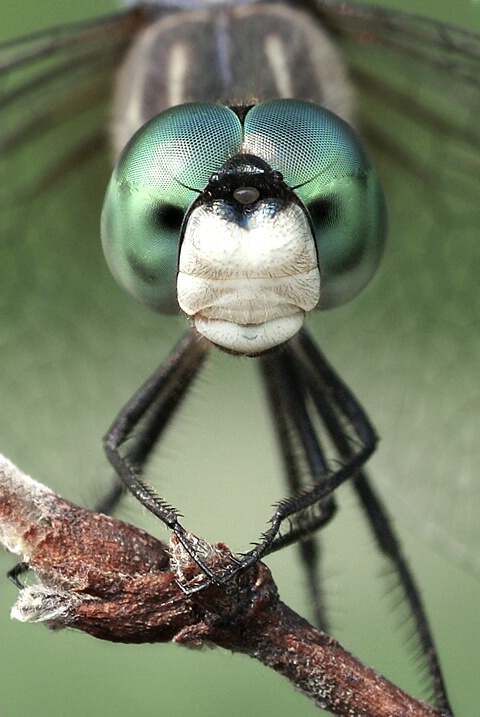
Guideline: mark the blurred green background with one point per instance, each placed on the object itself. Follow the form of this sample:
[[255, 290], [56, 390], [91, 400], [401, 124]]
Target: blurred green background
[[55, 435]]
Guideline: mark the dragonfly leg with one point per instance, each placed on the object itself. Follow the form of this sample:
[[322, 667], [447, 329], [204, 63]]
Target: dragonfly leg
[[387, 541], [142, 421], [318, 394], [321, 392], [303, 458]]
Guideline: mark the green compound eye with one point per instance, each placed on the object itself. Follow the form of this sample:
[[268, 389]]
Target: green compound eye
[[324, 162], [170, 160], [160, 172]]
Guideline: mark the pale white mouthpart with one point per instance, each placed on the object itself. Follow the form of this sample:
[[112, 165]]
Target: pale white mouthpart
[[248, 286], [250, 339]]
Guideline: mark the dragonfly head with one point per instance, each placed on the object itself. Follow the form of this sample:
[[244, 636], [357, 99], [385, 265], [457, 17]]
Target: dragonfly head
[[246, 221]]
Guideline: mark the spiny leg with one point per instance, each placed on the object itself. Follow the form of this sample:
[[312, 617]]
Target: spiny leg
[[387, 541], [144, 418], [151, 409], [358, 432], [380, 524], [302, 458], [148, 413]]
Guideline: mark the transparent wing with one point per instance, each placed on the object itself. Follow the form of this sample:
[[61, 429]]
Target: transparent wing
[[411, 344], [49, 80]]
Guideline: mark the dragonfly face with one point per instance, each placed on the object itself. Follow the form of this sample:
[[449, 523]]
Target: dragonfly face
[[246, 267], [408, 344]]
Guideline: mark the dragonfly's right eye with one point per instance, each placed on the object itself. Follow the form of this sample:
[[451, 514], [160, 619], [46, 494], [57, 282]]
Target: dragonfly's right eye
[[158, 175]]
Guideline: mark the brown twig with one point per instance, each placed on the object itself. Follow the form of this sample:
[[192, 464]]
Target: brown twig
[[116, 582]]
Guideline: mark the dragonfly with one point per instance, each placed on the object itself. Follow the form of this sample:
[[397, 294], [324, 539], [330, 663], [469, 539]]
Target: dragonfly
[[424, 376]]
